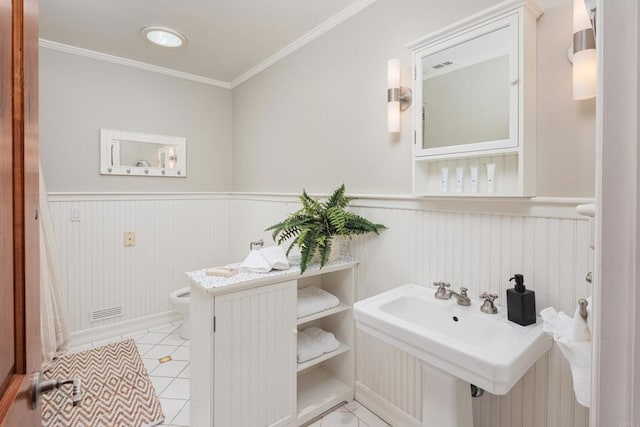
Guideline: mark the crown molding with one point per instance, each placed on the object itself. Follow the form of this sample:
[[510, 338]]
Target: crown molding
[[48, 44], [327, 25]]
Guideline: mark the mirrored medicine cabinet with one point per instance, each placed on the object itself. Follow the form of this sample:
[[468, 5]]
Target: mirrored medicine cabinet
[[141, 154], [474, 105]]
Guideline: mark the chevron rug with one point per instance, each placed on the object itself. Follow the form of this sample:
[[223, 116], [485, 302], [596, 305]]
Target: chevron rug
[[116, 391]]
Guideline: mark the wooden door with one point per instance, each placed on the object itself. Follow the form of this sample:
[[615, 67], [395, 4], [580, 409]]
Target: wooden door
[[19, 248], [255, 357]]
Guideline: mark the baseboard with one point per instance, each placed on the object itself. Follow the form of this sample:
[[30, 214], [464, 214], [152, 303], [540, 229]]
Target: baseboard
[[101, 332], [383, 408]]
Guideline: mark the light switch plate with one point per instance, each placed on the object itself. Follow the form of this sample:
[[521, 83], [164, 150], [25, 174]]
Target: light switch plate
[[130, 238]]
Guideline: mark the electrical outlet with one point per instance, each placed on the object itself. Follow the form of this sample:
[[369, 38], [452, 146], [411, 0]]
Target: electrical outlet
[[129, 238], [75, 214]]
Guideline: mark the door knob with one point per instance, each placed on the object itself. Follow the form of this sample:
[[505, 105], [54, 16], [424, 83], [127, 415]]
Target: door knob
[[39, 387]]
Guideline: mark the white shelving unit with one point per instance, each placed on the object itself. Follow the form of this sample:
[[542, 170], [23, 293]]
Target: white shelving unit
[[326, 381], [244, 344]]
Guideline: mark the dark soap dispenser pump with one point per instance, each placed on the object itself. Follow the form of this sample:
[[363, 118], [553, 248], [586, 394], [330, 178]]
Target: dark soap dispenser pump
[[521, 302]]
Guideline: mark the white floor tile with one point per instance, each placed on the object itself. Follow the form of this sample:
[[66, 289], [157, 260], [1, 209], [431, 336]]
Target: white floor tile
[[167, 329], [186, 372], [173, 339], [340, 419], [160, 383], [143, 348], [137, 334], [177, 389], [351, 406], [369, 417], [81, 347], [182, 353], [105, 341], [159, 351], [316, 424], [184, 416], [151, 338], [187, 343], [150, 364], [171, 408], [169, 369]]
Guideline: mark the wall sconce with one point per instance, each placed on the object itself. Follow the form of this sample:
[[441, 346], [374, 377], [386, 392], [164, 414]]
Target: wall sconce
[[398, 97], [583, 52]]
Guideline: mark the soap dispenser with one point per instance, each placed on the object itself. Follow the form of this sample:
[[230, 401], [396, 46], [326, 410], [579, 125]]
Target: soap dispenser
[[521, 302]]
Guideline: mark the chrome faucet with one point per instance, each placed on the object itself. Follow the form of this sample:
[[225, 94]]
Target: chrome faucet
[[443, 293], [462, 298]]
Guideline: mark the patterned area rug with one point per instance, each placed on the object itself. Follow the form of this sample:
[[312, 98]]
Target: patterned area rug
[[116, 391]]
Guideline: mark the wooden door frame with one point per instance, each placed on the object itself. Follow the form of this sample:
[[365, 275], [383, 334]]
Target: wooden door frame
[[15, 402]]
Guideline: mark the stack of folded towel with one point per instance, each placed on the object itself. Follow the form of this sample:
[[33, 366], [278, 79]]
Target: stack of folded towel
[[312, 300], [314, 342], [265, 260]]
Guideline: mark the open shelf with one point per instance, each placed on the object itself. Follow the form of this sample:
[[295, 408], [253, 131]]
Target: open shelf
[[319, 315], [319, 391], [313, 362]]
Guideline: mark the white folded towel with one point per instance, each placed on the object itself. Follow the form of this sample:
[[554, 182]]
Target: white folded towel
[[573, 337], [327, 340], [276, 257], [308, 347], [312, 300], [265, 260], [256, 262]]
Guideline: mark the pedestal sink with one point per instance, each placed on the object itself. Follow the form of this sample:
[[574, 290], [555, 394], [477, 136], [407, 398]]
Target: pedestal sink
[[457, 346]]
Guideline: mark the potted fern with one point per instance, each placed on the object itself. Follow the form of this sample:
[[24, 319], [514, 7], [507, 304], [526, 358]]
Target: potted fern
[[313, 227]]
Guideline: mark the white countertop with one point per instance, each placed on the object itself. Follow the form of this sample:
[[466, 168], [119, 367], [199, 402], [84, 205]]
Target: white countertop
[[217, 285]]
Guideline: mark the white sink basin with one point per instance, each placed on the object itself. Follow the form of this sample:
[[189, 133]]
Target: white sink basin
[[483, 349]]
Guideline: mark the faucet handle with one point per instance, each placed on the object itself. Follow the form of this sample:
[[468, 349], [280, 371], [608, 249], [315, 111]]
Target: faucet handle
[[441, 285], [463, 291], [489, 297], [487, 306]]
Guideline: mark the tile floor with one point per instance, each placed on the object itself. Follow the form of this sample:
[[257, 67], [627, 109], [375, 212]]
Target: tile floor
[[171, 379]]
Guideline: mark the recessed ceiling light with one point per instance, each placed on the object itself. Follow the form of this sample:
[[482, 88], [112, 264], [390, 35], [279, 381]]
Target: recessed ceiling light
[[165, 37]]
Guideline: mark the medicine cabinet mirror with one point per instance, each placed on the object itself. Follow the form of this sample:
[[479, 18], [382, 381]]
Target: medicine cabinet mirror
[[140, 154], [467, 87]]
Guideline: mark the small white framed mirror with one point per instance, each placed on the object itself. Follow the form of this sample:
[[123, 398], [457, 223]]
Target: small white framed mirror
[[142, 154]]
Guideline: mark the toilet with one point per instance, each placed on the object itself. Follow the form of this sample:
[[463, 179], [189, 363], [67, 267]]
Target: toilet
[[180, 301]]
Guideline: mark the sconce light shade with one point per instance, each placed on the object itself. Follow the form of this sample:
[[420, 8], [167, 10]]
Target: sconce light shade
[[584, 74], [393, 100], [398, 97], [584, 53]]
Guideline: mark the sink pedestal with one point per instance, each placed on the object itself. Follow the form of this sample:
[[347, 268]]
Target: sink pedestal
[[446, 400]]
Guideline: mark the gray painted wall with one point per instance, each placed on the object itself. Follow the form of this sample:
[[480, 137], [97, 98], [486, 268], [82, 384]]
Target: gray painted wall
[[318, 117], [79, 95]]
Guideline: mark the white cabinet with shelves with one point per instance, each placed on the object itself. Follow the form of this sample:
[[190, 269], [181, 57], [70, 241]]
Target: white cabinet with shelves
[[244, 366]]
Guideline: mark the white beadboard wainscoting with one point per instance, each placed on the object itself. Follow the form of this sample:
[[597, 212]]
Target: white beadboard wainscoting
[[447, 240], [174, 234], [479, 244]]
